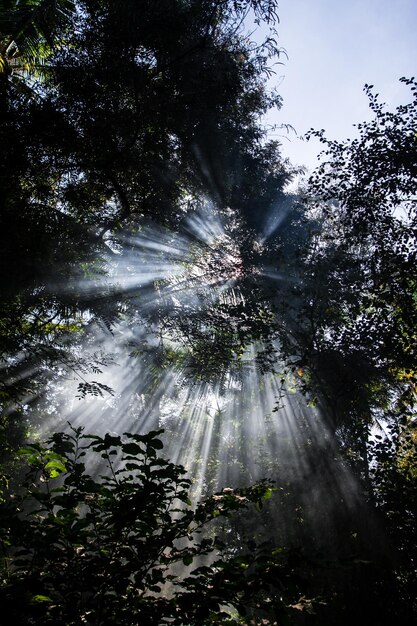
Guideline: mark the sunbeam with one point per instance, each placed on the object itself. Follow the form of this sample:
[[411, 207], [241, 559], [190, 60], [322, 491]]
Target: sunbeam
[[229, 427]]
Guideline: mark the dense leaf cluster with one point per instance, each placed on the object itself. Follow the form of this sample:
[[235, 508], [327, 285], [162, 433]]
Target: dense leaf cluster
[[137, 113], [127, 547]]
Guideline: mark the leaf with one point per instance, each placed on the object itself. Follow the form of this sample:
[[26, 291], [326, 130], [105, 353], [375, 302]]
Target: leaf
[[132, 448], [57, 466], [156, 444], [268, 493], [95, 389], [41, 598]]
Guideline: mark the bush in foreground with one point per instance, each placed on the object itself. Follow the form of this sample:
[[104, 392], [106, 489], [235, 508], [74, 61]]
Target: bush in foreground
[[123, 545]]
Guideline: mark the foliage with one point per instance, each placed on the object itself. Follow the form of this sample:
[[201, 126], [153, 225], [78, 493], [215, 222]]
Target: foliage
[[29, 31], [150, 113], [373, 181], [351, 319], [393, 457], [143, 111], [355, 329], [78, 549]]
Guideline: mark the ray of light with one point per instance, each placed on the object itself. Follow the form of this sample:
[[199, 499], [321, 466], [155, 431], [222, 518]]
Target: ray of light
[[277, 216], [226, 433]]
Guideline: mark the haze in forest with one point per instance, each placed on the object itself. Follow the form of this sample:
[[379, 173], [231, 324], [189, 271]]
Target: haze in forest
[[208, 372]]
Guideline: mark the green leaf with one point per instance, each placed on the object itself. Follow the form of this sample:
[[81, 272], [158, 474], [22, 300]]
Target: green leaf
[[41, 598], [268, 493], [55, 466]]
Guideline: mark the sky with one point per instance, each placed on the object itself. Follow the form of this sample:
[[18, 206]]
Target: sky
[[334, 47]]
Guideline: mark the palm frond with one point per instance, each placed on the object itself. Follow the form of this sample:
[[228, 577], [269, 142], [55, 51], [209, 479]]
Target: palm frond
[[29, 31]]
